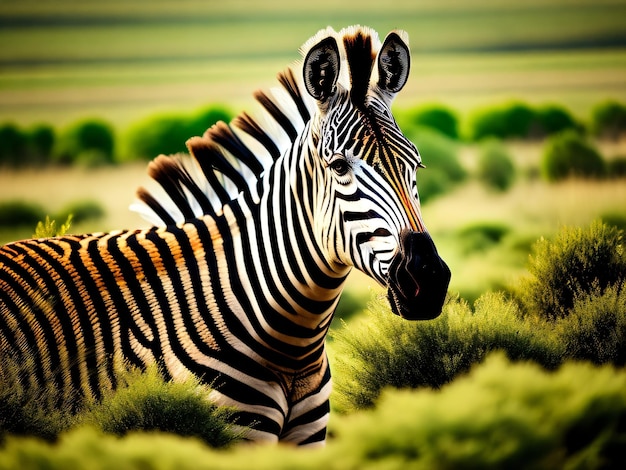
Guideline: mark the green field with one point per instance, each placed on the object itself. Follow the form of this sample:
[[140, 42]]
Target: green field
[[119, 60], [124, 61]]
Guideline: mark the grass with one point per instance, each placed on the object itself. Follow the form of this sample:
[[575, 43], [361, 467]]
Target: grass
[[123, 61], [501, 415]]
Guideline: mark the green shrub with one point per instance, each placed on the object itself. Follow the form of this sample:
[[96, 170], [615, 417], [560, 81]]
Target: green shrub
[[595, 329], [578, 262], [13, 144], [438, 118], [443, 169], [167, 133], [26, 411], [432, 182], [387, 350], [481, 236], [42, 139], [89, 142], [617, 219], [157, 135], [501, 415], [513, 120], [608, 120], [205, 118], [569, 154], [20, 213], [146, 402], [616, 167], [495, 167], [552, 119]]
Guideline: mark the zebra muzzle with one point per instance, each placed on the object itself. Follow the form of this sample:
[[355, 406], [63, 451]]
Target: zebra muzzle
[[418, 278]]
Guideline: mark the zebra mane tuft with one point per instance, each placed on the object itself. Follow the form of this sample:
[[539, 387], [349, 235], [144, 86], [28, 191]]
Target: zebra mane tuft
[[230, 158]]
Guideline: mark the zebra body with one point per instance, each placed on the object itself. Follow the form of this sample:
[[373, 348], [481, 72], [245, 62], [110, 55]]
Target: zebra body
[[259, 229]]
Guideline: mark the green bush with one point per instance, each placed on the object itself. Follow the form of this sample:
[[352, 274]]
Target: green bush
[[42, 140], [89, 142], [616, 167], [146, 402], [595, 329], [438, 118], [578, 262], [495, 167], [26, 411], [608, 120], [481, 236], [519, 121], [167, 133], [501, 415], [443, 169], [20, 213], [569, 154], [13, 145], [552, 119], [143, 401], [387, 350], [514, 120]]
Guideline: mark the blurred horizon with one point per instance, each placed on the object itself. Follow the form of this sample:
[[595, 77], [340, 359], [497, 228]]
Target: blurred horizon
[[123, 60]]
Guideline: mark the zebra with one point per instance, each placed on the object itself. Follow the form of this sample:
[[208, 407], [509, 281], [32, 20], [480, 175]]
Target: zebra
[[255, 232]]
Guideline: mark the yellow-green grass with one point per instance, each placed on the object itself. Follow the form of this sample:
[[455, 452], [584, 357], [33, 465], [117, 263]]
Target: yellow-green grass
[[123, 60]]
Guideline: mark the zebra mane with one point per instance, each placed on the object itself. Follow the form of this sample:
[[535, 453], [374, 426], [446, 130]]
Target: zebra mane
[[230, 158]]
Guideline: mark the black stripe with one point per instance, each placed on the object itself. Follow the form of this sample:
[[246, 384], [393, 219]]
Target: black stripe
[[277, 114], [249, 126]]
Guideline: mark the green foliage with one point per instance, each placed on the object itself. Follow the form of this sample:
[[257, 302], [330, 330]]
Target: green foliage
[[480, 236], [20, 213], [439, 118], [519, 121], [616, 167], [495, 167], [143, 401], [12, 144], [146, 402], [512, 120], [501, 415], [88, 142], [595, 329], [553, 119], [389, 351], [608, 119], [569, 154], [48, 228], [26, 410], [443, 169], [578, 262], [167, 134]]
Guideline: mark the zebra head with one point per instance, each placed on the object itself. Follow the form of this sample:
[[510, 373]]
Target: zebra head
[[367, 168]]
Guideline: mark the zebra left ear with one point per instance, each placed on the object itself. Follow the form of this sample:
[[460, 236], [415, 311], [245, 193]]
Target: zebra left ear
[[321, 69], [394, 62]]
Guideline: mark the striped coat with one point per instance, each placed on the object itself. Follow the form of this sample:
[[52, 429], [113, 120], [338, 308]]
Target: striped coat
[[255, 235]]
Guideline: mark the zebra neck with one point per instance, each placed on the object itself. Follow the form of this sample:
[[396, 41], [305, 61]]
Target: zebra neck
[[283, 279]]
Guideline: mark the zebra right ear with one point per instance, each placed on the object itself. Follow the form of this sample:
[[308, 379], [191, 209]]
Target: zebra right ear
[[321, 69]]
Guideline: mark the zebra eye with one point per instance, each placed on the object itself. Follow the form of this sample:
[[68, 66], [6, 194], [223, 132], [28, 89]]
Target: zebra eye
[[340, 166]]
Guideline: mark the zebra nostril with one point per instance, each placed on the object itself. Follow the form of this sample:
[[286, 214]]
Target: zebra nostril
[[381, 232]]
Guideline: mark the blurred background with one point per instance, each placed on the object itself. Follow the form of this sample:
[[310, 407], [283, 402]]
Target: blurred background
[[91, 90]]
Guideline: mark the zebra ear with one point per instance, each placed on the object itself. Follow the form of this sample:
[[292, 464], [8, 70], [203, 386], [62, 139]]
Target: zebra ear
[[321, 69], [394, 62]]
